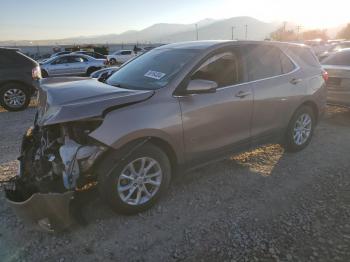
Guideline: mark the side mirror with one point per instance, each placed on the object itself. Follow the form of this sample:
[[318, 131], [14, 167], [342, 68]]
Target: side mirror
[[103, 77], [199, 86]]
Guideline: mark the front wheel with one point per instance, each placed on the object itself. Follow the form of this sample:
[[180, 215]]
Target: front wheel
[[14, 97], [300, 129], [138, 181]]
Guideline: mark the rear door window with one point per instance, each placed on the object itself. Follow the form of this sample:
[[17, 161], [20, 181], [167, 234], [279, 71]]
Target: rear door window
[[305, 55], [126, 52], [76, 59], [61, 60], [223, 68], [263, 62]]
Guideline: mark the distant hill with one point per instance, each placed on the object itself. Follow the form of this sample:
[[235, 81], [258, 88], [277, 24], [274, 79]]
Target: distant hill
[[256, 30], [208, 29]]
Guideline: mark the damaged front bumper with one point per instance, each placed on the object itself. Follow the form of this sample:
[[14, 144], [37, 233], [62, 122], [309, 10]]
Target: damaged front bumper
[[50, 212], [49, 180]]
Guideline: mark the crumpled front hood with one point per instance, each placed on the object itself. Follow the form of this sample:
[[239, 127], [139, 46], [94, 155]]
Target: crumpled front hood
[[65, 99]]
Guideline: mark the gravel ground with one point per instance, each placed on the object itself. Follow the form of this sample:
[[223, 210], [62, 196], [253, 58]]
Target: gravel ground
[[263, 205]]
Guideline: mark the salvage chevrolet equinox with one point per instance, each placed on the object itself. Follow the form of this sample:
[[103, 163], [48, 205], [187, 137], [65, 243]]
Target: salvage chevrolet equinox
[[174, 108]]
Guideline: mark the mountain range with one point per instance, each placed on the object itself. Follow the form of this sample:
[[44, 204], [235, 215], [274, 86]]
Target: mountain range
[[208, 29]]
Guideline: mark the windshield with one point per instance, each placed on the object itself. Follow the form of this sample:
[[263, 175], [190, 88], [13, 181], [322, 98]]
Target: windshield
[[153, 70]]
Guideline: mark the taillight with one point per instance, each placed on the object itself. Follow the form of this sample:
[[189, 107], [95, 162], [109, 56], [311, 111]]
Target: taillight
[[36, 73], [325, 76]]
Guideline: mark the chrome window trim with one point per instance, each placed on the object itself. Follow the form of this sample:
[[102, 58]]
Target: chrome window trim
[[297, 67]]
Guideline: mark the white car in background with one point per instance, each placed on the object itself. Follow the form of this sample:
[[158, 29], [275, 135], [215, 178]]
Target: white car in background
[[121, 56], [71, 65]]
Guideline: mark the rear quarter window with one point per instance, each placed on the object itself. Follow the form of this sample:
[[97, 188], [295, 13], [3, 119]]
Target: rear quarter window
[[305, 55], [10, 58], [287, 65]]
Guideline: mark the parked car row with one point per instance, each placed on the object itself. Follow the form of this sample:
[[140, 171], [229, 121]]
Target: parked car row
[[73, 64], [121, 56], [18, 74], [337, 65], [334, 49], [187, 104]]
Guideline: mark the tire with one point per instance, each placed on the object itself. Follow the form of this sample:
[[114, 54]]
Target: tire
[[117, 185], [299, 133], [14, 96], [112, 61], [90, 70]]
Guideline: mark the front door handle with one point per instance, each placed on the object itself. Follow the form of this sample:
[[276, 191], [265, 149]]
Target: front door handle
[[242, 94], [295, 81]]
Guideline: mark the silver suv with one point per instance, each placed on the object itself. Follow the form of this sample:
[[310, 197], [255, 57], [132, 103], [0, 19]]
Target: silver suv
[[170, 110]]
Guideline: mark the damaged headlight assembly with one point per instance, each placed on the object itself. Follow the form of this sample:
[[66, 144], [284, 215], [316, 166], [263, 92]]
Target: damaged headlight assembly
[[55, 162]]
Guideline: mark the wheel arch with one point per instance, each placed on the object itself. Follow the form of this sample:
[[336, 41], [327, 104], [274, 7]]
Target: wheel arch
[[113, 155], [91, 69], [168, 150], [313, 106], [30, 88]]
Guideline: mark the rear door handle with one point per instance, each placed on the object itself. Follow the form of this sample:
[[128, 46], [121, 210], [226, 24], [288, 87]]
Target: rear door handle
[[295, 81], [242, 94]]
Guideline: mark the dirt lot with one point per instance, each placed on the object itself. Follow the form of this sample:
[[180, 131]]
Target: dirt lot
[[263, 205]]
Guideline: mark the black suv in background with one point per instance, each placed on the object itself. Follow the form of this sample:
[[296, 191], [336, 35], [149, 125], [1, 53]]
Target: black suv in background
[[17, 75]]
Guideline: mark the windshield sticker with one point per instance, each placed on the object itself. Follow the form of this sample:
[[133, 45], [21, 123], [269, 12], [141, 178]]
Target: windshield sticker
[[154, 74]]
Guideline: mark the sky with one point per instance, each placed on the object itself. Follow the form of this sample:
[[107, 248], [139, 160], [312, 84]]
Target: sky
[[56, 19]]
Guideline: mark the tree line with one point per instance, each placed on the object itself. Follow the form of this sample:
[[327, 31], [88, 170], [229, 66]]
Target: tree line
[[282, 34]]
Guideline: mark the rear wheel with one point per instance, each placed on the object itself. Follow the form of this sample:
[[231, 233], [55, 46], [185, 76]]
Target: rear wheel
[[112, 61], [300, 129], [138, 181], [14, 96]]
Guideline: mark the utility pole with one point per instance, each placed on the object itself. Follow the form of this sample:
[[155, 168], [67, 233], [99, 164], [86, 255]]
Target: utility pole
[[284, 26], [196, 31], [233, 29], [246, 32], [298, 31]]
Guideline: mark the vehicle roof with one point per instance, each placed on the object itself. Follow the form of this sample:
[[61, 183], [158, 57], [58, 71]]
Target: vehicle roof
[[212, 43], [75, 54]]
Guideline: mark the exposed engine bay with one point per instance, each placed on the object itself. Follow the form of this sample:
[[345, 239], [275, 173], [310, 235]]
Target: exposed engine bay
[[58, 154], [55, 162]]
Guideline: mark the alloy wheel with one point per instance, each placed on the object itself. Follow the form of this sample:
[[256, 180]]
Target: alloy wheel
[[139, 181], [14, 97], [302, 129]]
